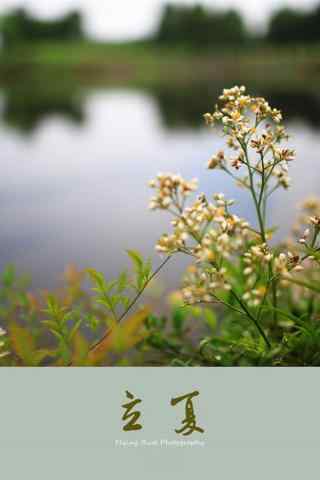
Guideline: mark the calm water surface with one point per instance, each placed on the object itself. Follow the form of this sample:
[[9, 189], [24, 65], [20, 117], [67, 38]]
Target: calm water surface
[[73, 183]]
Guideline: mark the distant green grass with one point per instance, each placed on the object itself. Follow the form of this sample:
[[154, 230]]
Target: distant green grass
[[147, 64]]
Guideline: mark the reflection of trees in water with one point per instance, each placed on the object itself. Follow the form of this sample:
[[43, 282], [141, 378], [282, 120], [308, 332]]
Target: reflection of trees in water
[[25, 109], [298, 105], [185, 106], [180, 107]]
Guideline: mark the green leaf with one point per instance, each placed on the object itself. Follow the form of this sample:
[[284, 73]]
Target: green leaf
[[50, 324], [40, 355], [210, 318], [141, 268], [23, 345], [58, 335], [122, 282], [80, 350], [147, 269], [302, 283], [75, 328], [110, 285], [97, 278], [54, 309], [125, 301], [105, 302], [136, 259], [178, 318], [9, 276], [92, 321]]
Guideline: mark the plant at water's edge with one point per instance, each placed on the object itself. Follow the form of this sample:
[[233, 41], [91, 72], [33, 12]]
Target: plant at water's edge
[[234, 264], [244, 301]]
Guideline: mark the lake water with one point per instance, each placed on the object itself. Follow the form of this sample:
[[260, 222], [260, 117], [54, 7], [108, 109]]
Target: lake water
[[73, 183]]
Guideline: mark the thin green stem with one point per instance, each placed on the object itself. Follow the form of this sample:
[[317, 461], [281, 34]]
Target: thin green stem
[[253, 193], [261, 216], [304, 284], [252, 318], [133, 302]]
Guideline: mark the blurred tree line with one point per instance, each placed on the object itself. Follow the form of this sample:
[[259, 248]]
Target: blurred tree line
[[200, 26], [18, 27], [196, 26], [203, 27], [294, 26]]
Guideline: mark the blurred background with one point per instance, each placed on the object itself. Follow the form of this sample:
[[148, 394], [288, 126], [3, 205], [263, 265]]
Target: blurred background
[[97, 97]]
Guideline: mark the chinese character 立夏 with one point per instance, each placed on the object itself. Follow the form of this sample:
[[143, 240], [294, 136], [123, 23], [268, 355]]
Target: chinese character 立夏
[[131, 416], [189, 423]]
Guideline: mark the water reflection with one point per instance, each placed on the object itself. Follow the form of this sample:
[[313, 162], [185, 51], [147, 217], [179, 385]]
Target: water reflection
[[297, 105], [184, 107], [24, 109], [70, 194]]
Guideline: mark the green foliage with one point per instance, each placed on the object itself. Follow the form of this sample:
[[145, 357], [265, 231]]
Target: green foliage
[[8, 276], [199, 27], [58, 324], [110, 294], [18, 27], [142, 269], [55, 333], [24, 347], [52, 328], [288, 26]]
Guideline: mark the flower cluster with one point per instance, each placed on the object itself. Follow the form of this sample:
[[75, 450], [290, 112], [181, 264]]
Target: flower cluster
[[285, 265], [3, 351], [202, 283], [255, 260], [312, 207], [206, 230], [255, 296], [232, 113], [251, 122], [309, 218], [217, 160], [258, 256], [171, 190]]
